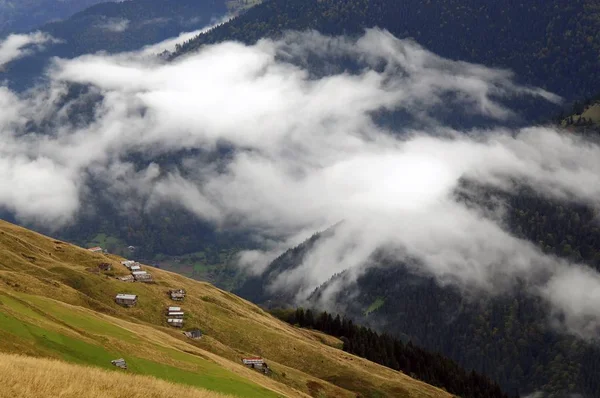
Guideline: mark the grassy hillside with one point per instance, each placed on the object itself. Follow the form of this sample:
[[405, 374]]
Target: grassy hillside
[[28, 377], [51, 305]]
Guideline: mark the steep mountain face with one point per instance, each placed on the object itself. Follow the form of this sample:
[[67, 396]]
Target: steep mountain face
[[551, 44], [507, 337], [23, 15], [56, 302]]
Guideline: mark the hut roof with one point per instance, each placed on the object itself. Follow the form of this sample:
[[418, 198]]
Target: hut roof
[[123, 296]]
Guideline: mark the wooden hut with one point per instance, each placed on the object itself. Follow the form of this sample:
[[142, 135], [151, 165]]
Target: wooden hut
[[177, 295], [126, 300], [253, 361], [119, 363], [126, 278], [178, 323], [194, 334], [176, 314], [142, 276], [256, 363]]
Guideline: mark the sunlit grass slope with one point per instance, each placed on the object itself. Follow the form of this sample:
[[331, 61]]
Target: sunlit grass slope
[[51, 305], [27, 377]]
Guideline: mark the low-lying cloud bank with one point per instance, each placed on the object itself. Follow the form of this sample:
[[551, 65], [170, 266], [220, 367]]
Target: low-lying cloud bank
[[304, 151]]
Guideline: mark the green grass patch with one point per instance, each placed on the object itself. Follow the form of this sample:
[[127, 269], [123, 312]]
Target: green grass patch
[[51, 343], [375, 305], [19, 307], [55, 344], [211, 377], [83, 321]]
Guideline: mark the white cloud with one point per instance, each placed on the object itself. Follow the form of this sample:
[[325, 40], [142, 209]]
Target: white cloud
[[20, 45], [116, 25], [303, 151]]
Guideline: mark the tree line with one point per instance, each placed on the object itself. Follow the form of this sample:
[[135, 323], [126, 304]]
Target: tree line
[[432, 368]]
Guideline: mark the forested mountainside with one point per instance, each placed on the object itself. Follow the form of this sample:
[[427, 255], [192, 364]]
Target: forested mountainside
[[507, 337], [23, 15], [393, 353], [116, 27], [549, 43]]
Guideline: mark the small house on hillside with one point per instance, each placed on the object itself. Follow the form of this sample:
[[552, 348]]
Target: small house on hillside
[[173, 309], [194, 334], [126, 278], [119, 363], [128, 263], [177, 295], [142, 276], [96, 249], [104, 267], [256, 363], [176, 314], [126, 300], [135, 268], [253, 361], [178, 323]]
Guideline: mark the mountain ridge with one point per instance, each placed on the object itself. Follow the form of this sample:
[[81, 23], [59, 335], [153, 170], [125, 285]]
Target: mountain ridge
[[533, 39]]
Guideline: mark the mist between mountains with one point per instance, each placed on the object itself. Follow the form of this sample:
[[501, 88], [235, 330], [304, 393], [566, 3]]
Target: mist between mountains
[[285, 138]]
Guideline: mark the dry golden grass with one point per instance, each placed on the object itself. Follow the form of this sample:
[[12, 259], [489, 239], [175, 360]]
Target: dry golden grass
[[34, 268], [592, 113], [27, 377]]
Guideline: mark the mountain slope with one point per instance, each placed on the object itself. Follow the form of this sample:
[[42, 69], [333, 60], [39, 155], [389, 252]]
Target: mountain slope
[[552, 44], [53, 306], [507, 337], [23, 15]]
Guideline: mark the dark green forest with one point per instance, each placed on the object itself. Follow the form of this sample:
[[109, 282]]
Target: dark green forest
[[553, 44], [383, 349]]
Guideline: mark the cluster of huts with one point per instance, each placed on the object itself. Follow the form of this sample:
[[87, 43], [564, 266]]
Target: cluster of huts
[[137, 274], [174, 314], [175, 317]]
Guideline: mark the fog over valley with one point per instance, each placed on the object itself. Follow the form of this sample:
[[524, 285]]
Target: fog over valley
[[305, 151]]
